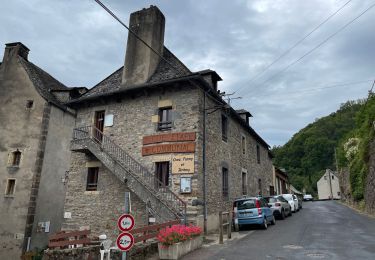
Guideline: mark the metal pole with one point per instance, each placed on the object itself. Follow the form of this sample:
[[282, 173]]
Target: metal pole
[[221, 227], [126, 211], [204, 166]]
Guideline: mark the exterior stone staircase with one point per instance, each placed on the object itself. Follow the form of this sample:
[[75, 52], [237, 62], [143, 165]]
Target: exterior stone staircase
[[163, 202]]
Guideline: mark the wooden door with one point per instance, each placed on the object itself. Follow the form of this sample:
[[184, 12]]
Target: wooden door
[[99, 125]]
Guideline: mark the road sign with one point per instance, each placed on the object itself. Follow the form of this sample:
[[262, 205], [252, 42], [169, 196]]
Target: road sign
[[125, 241], [125, 222]]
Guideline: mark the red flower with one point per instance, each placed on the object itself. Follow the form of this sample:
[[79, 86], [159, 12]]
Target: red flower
[[177, 233]]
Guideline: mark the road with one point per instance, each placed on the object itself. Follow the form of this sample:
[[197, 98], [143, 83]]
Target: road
[[321, 230]]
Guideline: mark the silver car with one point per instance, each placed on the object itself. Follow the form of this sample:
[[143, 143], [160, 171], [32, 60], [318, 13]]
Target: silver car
[[280, 206]]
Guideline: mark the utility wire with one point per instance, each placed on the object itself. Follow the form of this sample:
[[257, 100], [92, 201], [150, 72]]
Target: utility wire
[[297, 43], [139, 38], [315, 48]]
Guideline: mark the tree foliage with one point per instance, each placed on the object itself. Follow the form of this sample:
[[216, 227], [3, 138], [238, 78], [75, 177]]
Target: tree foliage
[[310, 151]]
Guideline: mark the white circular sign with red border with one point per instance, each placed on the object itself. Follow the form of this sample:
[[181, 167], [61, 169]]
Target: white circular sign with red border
[[125, 222], [125, 241]]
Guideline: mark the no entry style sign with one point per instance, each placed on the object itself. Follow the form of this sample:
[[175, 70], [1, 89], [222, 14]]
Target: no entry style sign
[[125, 241], [125, 222]]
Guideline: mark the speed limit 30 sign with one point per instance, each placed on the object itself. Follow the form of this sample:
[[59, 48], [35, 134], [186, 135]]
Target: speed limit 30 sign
[[125, 241]]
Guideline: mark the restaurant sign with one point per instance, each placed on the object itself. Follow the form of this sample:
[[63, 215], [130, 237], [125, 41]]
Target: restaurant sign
[[171, 137], [169, 148], [182, 164]]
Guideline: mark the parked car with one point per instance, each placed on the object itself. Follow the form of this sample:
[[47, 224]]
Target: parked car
[[297, 202], [293, 203], [254, 210], [308, 197], [280, 206], [300, 200]]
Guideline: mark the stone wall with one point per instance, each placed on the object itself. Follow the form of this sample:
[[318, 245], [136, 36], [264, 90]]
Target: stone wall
[[20, 129], [132, 120], [370, 181], [51, 194], [229, 154]]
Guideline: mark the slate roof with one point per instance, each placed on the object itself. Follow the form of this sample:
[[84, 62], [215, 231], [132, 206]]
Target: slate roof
[[163, 72], [44, 82]]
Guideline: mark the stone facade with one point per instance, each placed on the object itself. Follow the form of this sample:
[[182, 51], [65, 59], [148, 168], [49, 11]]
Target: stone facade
[[37, 129], [134, 111], [229, 154]]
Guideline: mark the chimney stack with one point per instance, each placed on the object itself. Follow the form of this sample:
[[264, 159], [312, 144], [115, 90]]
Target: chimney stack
[[15, 48], [140, 61]]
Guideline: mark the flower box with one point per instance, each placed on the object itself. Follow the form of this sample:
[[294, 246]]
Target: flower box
[[177, 250], [178, 240]]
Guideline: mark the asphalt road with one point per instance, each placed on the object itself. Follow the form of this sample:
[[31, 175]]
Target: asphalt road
[[321, 230]]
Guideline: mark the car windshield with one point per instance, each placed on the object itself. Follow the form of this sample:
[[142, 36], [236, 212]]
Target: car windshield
[[246, 204]]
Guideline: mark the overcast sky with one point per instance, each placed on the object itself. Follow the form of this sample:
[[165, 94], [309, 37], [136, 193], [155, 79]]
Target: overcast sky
[[78, 43]]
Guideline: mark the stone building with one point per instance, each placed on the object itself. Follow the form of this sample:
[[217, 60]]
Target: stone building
[[34, 152], [328, 186], [165, 134], [280, 181]]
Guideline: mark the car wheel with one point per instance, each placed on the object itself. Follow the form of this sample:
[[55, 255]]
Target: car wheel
[[282, 214], [265, 225], [273, 221], [290, 212]]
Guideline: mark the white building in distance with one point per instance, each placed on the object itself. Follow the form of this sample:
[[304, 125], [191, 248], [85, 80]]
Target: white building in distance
[[328, 186]]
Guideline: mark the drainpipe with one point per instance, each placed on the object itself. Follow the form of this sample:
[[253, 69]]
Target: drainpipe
[[204, 166]]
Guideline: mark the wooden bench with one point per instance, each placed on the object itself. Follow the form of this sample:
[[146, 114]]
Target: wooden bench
[[64, 239]]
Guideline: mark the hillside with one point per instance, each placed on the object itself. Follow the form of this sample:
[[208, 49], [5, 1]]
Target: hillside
[[310, 151]]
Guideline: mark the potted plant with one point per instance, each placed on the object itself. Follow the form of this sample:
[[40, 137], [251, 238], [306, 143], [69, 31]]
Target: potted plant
[[178, 240]]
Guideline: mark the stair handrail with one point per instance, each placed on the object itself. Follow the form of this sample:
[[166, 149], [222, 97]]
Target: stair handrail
[[91, 132]]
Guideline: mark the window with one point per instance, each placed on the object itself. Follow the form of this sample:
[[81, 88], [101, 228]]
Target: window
[[244, 183], [165, 118], [243, 144], [260, 186], [325, 177], [29, 104], [92, 179], [11, 185], [224, 127], [162, 174], [258, 153], [16, 158], [333, 177], [225, 182]]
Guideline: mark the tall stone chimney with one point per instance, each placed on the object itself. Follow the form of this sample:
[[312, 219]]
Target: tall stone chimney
[[140, 60], [13, 49]]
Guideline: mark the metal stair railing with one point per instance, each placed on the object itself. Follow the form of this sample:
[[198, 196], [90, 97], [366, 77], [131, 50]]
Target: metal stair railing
[[177, 205]]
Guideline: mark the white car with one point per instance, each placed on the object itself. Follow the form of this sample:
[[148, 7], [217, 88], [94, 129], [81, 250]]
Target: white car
[[293, 203], [307, 197]]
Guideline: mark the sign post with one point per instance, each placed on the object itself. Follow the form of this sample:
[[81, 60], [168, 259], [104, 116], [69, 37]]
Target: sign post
[[125, 223]]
